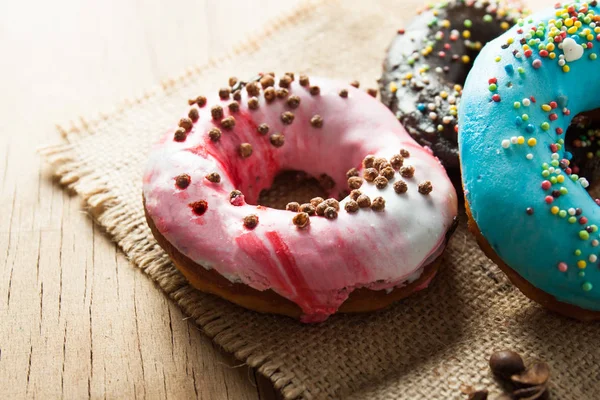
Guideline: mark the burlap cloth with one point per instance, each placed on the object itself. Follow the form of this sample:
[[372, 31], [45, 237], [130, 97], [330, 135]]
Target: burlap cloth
[[433, 345]]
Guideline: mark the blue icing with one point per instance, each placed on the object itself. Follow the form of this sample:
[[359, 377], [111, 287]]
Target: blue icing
[[502, 179]]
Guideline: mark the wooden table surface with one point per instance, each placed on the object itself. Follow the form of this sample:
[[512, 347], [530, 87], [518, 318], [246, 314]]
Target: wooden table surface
[[76, 320]]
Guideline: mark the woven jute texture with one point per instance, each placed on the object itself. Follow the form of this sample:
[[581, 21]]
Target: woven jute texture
[[433, 345]]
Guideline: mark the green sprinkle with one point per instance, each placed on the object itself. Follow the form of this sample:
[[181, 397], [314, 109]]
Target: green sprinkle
[[468, 23], [584, 235], [593, 56], [561, 141], [574, 177], [577, 252], [594, 228], [587, 287], [525, 117], [521, 70], [581, 274], [563, 190], [553, 180], [545, 166], [493, 87], [545, 173], [572, 220], [517, 104], [562, 213], [555, 163], [545, 126]]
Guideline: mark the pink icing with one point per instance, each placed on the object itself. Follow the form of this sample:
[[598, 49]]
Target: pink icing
[[317, 268]]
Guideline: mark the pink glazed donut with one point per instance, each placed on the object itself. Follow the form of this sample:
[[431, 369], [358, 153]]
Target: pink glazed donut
[[379, 241]]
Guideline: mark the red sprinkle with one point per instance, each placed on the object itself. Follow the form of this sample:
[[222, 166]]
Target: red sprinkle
[[496, 98], [549, 199], [493, 81], [554, 149], [553, 105], [559, 131], [553, 117], [546, 185], [583, 220]]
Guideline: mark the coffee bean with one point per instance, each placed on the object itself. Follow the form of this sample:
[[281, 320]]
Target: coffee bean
[[506, 363], [536, 374], [479, 395]]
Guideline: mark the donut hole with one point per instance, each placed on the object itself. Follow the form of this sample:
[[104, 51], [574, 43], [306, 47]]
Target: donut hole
[[582, 140], [289, 186]]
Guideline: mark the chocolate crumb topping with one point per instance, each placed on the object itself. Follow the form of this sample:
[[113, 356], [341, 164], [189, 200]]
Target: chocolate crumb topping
[[285, 81], [234, 194], [354, 194], [214, 134], [351, 206], [372, 92], [216, 112], [333, 203], [180, 135], [293, 102], [252, 89], [316, 121], [183, 181], [370, 174], [186, 124], [269, 94], [407, 171], [352, 172], [379, 161], [304, 81], [425, 187], [355, 182], [378, 204], [234, 106], [331, 213], [282, 93], [200, 100], [381, 182], [308, 208], [315, 90], [321, 208], [228, 123], [193, 114], [291, 75], [253, 103], [263, 129], [397, 160], [287, 117], [343, 93], [368, 161], [400, 187], [277, 139], [363, 201], [232, 81], [250, 221], [245, 150], [213, 177], [293, 206], [355, 83], [224, 93], [404, 153], [237, 95], [301, 220], [267, 81], [388, 172], [199, 207], [315, 201]]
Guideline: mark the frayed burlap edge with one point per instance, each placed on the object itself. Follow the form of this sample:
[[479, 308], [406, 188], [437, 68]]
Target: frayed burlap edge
[[126, 230]]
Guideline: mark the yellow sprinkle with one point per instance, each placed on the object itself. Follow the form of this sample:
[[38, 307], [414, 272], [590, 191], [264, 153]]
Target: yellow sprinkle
[[581, 264], [498, 59], [546, 107], [554, 210], [532, 142], [569, 22], [403, 83], [590, 37], [458, 88], [520, 140], [560, 179], [444, 95], [446, 23], [572, 30], [408, 76], [510, 40], [550, 47], [566, 68], [466, 34], [393, 87], [504, 25], [526, 47], [597, 29], [465, 59], [552, 55], [578, 24]]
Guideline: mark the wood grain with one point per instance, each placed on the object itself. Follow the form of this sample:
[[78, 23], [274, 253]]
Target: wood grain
[[76, 320]]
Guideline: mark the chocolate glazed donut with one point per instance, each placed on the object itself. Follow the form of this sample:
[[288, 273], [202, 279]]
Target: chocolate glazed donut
[[427, 64]]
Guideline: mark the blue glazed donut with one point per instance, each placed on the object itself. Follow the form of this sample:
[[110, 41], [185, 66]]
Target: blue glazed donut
[[531, 212]]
